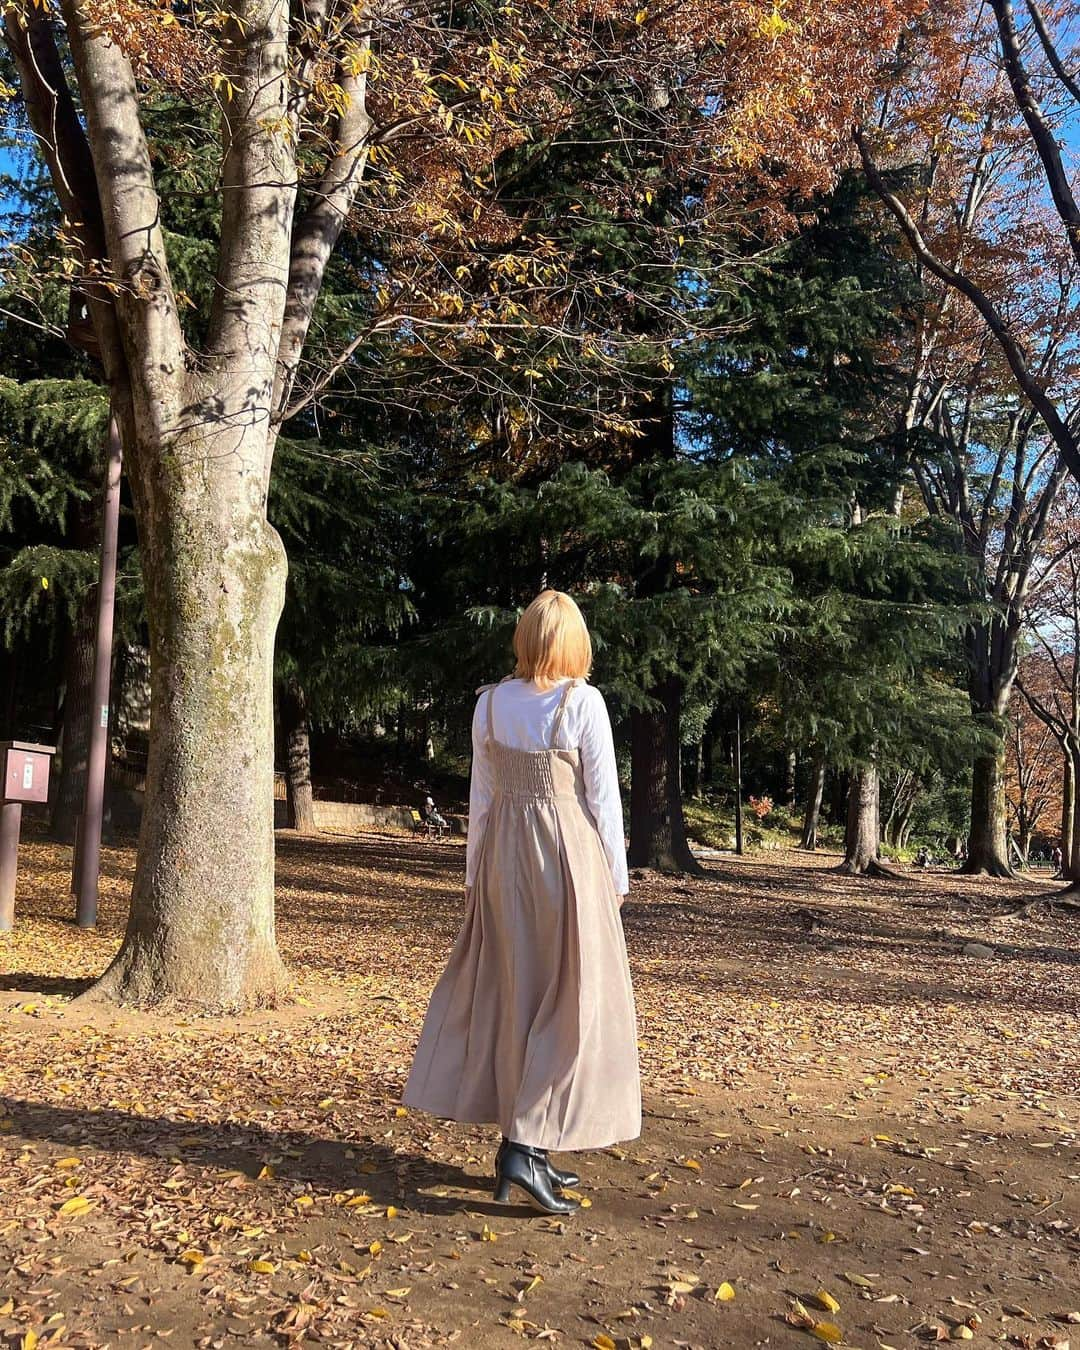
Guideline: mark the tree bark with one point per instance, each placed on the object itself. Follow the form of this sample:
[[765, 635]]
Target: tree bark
[[790, 776], [75, 737], [987, 843], [862, 840], [811, 820], [657, 827], [201, 923], [297, 729], [1068, 809]]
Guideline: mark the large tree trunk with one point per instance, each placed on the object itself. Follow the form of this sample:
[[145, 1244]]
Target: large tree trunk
[[201, 924], [297, 729], [657, 827], [1068, 810], [862, 840], [815, 793], [75, 738], [988, 849]]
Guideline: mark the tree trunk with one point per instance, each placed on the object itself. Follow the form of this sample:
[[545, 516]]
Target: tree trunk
[[987, 843], [75, 738], [297, 729], [790, 776], [201, 924], [811, 820], [862, 841], [1068, 808], [1071, 862], [737, 757], [657, 827]]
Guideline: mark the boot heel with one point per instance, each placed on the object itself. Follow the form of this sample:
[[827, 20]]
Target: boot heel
[[502, 1191]]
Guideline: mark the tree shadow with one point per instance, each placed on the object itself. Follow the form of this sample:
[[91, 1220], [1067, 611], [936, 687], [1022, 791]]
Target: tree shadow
[[25, 983], [388, 1176]]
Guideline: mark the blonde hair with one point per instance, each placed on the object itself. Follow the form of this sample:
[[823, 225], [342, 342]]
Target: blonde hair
[[551, 641]]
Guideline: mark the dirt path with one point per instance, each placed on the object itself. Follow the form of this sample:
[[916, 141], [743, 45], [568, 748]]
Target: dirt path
[[838, 1101]]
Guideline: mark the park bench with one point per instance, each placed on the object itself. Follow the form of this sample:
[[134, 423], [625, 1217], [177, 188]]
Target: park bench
[[428, 828]]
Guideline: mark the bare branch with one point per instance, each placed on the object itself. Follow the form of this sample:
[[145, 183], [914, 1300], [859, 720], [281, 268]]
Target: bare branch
[[316, 235], [1029, 384], [1041, 133], [145, 303], [60, 136], [259, 193], [1050, 48]]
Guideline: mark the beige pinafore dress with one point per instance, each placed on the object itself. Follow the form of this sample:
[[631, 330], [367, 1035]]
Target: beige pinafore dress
[[532, 1026]]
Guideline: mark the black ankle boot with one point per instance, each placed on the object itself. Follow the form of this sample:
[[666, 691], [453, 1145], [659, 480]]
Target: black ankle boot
[[527, 1168], [558, 1178]]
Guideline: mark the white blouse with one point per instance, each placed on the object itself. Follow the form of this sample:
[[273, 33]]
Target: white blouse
[[523, 716]]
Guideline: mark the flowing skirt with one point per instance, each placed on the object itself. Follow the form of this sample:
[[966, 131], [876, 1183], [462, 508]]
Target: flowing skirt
[[532, 1025]]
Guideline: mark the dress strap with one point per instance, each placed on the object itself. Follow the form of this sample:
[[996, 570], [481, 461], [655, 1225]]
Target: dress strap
[[560, 711]]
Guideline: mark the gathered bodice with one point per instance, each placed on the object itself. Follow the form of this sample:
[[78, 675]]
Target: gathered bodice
[[536, 773]]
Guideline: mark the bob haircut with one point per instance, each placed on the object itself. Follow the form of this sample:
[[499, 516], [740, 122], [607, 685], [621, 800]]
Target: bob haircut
[[551, 641]]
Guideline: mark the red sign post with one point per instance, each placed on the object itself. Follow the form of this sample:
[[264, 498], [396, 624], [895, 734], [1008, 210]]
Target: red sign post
[[26, 779]]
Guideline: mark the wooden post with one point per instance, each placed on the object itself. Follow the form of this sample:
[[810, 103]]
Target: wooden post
[[88, 846], [10, 822], [738, 785]]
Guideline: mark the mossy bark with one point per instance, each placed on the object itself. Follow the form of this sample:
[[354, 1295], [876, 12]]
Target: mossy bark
[[201, 923], [988, 849], [862, 841]]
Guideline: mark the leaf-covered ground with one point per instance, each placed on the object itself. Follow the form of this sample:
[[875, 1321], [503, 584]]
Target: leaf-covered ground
[[853, 1130]]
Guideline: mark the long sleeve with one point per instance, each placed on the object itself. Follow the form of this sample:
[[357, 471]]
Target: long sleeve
[[602, 785], [481, 790]]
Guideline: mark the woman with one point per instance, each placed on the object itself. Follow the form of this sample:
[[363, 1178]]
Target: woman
[[532, 1025]]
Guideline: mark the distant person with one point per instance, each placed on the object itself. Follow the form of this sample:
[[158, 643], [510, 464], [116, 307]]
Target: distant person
[[922, 858], [432, 816], [1057, 858], [532, 1026]]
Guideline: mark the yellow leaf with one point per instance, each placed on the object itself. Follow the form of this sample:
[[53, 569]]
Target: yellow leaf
[[304, 1201], [262, 1267], [488, 1236], [399, 1293], [354, 1200], [76, 1205], [29, 1341], [693, 1164], [66, 1164], [401, 1111], [304, 1256], [825, 1300], [377, 1312], [375, 1248], [6, 1309], [391, 1212], [326, 1101], [828, 1332], [725, 1293], [641, 16], [267, 1173], [192, 1257], [603, 1342]]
